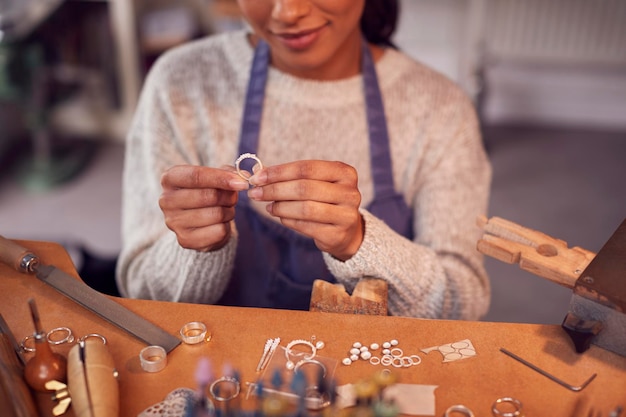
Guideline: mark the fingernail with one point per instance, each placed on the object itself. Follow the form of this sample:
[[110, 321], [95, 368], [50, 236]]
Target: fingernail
[[259, 178], [239, 184], [255, 193]]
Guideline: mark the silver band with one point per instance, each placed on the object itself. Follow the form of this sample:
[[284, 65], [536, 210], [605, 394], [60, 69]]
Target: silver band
[[459, 409], [246, 156], [153, 358], [517, 404], [304, 362], [225, 380], [69, 337], [193, 332], [91, 335]]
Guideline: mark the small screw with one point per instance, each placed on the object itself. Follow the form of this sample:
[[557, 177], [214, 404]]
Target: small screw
[[588, 280]]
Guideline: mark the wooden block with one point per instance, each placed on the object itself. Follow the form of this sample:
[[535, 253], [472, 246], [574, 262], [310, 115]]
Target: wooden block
[[534, 251], [369, 297]]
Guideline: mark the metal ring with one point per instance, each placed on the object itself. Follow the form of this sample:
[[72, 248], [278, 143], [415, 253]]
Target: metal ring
[[310, 362], [153, 358], [399, 352], [246, 156], [91, 335], [415, 362], [375, 360], [386, 360], [290, 365], [458, 408], [193, 332], [517, 404], [225, 379], [398, 364], [69, 337], [23, 344]]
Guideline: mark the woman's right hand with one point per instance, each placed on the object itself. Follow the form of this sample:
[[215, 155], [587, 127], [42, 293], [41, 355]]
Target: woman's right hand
[[198, 204]]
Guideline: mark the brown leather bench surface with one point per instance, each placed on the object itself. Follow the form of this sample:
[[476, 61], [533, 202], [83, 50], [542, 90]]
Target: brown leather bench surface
[[239, 334]]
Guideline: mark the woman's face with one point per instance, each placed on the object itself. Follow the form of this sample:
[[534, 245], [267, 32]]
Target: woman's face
[[318, 39]]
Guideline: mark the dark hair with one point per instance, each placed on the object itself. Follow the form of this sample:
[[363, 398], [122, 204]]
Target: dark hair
[[379, 21]]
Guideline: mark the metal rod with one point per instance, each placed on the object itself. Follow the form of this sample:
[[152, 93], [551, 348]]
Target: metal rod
[[547, 375], [35, 315]]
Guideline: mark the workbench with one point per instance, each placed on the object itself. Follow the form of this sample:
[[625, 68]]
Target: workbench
[[238, 336]]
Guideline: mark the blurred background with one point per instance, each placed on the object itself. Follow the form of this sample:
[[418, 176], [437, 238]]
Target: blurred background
[[548, 78]]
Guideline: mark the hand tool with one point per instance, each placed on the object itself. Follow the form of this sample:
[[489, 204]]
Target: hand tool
[[570, 387], [25, 261], [597, 310]]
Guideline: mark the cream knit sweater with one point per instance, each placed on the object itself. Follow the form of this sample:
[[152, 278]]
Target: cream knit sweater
[[190, 113]]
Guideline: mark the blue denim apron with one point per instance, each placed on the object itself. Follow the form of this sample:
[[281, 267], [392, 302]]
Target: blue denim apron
[[275, 266]]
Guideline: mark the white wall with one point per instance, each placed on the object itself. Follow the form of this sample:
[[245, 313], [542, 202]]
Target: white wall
[[590, 92]]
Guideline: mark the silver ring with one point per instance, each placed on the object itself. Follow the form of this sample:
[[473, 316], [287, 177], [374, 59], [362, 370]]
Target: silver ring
[[310, 362], [517, 404], [193, 332], [416, 361], [290, 365], [246, 156], [398, 352], [375, 360], [91, 335], [222, 380], [69, 337], [459, 409], [23, 344], [153, 358]]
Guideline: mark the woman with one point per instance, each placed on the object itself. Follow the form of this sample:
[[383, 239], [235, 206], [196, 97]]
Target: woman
[[372, 166]]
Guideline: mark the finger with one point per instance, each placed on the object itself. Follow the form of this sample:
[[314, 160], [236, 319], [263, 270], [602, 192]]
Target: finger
[[190, 176], [185, 198], [206, 238], [328, 171], [303, 190], [181, 220], [313, 211]]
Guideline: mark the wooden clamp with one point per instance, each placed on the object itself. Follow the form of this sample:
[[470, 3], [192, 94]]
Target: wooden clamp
[[369, 297], [534, 251]]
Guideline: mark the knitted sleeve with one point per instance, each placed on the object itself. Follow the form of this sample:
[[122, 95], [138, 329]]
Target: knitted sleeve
[[440, 273], [152, 265]]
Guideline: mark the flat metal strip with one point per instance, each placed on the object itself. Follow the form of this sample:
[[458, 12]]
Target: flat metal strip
[[106, 308]]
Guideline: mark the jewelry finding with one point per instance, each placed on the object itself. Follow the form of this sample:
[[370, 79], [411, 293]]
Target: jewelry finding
[[288, 351], [459, 408], [242, 157], [23, 344], [97, 335], [304, 362], [66, 333], [236, 387], [517, 405], [153, 358], [193, 332]]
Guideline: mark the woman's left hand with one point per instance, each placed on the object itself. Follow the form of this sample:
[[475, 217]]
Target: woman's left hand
[[319, 199]]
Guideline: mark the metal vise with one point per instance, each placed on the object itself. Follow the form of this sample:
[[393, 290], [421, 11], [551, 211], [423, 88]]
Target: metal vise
[[597, 311]]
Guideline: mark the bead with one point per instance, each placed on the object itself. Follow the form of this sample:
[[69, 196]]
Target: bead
[[374, 346], [355, 351], [366, 355], [354, 358], [357, 345], [386, 345], [394, 342], [319, 344], [346, 361], [386, 352], [364, 349], [290, 365]]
